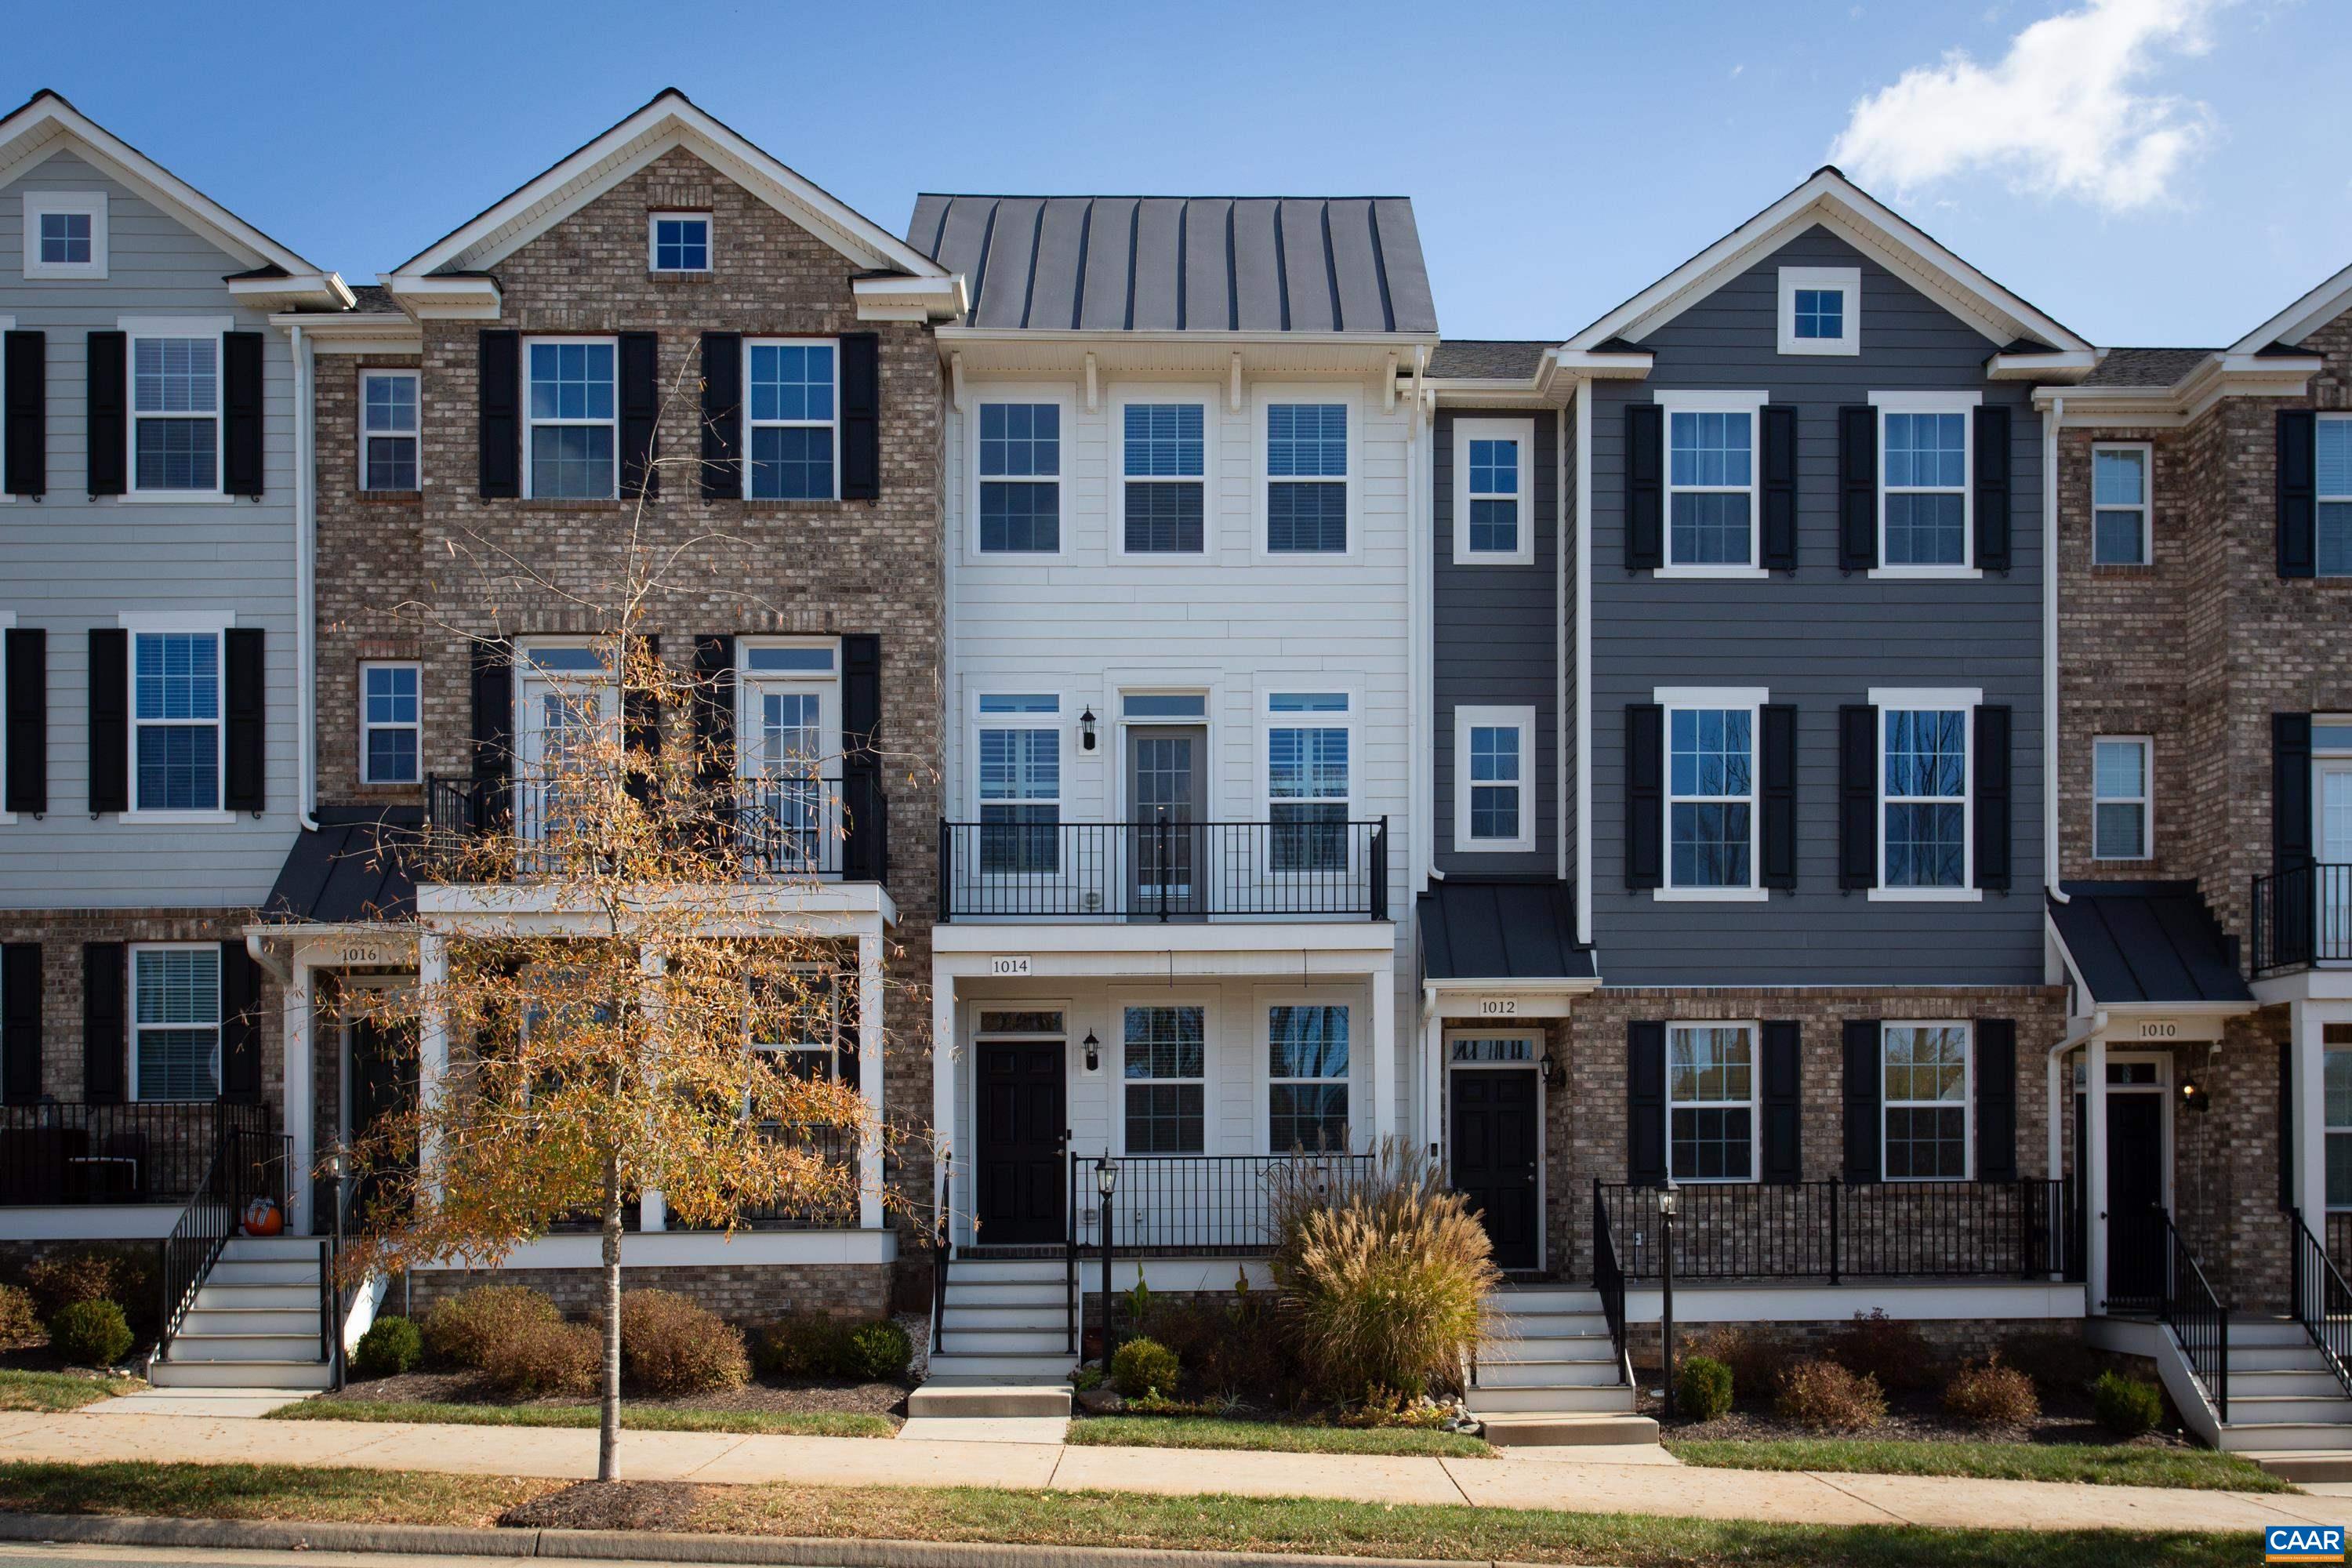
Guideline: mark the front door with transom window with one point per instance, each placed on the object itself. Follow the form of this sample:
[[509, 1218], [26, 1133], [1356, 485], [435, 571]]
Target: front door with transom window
[[1021, 1110], [569, 702], [789, 748], [2332, 832], [1494, 1147], [1166, 784]]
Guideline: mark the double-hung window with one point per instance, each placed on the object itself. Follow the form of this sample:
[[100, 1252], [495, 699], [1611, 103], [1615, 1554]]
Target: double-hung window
[[790, 417], [796, 1023], [176, 427], [1308, 742], [175, 1008], [678, 242], [1924, 473], [1493, 756], [1306, 1077], [1711, 791], [1163, 463], [571, 442], [2337, 1066], [1165, 1069], [1306, 478], [2119, 789], [390, 724], [1493, 464], [2119, 504], [1711, 471], [388, 430], [1711, 1102], [1924, 791], [1020, 478], [2332, 441], [1924, 1101], [175, 714], [1020, 784]]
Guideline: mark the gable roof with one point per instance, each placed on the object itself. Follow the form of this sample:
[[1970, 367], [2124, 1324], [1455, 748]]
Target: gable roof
[[2145, 367], [2314, 310], [1195, 264], [30, 131], [1835, 203]]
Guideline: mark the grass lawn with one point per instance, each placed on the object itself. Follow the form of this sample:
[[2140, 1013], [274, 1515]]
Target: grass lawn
[[635, 1419], [2194, 1469], [1217, 1432], [58, 1390], [1106, 1519]]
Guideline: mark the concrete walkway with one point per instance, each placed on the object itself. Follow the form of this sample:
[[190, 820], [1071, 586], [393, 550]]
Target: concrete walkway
[[1505, 1482]]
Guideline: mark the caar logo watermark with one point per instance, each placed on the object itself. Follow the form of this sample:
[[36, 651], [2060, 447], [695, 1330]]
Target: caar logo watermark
[[2303, 1544]]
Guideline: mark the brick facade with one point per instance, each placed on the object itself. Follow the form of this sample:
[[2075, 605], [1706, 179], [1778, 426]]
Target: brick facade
[[744, 1293]]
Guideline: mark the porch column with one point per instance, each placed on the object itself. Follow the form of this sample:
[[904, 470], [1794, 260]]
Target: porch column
[[432, 1047], [943, 1078], [301, 1101], [1432, 1077], [1384, 1052], [653, 1209], [869, 1079], [2307, 1023], [2094, 1171]]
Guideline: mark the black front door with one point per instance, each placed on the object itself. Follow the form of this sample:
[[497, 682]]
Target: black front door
[[1495, 1133], [1020, 1155], [383, 1082], [2136, 1246]]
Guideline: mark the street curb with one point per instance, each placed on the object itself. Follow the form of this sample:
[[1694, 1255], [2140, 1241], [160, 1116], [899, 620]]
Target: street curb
[[649, 1546]]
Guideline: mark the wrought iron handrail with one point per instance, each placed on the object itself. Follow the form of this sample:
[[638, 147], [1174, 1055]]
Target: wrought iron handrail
[[942, 1249], [1608, 1274], [1207, 1204], [2191, 1308], [142, 1152], [1832, 1230], [1164, 869], [2302, 915], [2323, 1302], [240, 1172]]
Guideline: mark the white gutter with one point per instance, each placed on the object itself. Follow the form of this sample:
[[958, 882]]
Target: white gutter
[[306, 620], [1584, 662], [257, 943], [2050, 423], [1420, 513], [2057, 1092]]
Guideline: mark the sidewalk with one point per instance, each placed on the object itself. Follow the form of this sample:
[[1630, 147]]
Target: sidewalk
[[1507, 1482]]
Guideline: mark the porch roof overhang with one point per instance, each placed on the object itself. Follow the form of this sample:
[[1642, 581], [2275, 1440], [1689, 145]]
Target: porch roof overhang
[[2145, 949], [1502, 933], [1302, 949], [746, 910], [356, 866]]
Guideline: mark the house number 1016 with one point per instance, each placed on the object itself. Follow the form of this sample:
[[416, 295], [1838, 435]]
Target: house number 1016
[[1499, 1006]]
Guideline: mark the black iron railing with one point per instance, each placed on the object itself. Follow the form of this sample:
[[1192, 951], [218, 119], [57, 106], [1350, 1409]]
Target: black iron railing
[[2338, 1234], [2302, 915], [839, 1147], [812, 826], [2323, 1302], [1608, 1274], [1164, 869], [1835, 1230], [1203, 1204], [2193, 1311], [154, 1152], [245, 1166], [942, 1247]]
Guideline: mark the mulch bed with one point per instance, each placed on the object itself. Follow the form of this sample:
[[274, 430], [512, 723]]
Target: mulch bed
[[1917, 1417], [609, 1505], [465, 1388]]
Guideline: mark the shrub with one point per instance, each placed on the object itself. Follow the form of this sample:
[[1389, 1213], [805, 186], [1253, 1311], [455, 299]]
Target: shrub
[[464, 1330], [1888, 1349], [1754, 1355], [804, 1344], [20, 1325], [1829, 1397], [1702, 1388], [2056, 1362], [91, 1334], [539, 1356], [1382, 1276], [94, 1274], [2125, 1406], [1143, 1369], [1992, 1394], [671, 1344], [391, 1346], [878, 1351]]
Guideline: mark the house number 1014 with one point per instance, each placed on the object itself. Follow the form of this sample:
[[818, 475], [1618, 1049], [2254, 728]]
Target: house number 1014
[[1009, 966]]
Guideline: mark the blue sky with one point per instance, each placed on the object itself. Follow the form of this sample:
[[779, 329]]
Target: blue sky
[[2146, 170]]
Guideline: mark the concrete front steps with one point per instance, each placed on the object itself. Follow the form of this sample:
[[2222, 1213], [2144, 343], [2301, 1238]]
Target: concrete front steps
[[2288, 1413], [1552, 1375], [1003, 1341], [254, 1322]]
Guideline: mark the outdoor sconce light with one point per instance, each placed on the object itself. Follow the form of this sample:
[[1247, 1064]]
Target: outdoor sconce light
[[1094, 1052], [1666, 1203], [1554, 1075], [1086, 729], [2193, 1096]]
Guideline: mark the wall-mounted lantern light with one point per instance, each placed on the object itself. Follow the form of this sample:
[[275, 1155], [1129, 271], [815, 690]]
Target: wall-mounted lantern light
[[1094, 1052], [1086, 729]]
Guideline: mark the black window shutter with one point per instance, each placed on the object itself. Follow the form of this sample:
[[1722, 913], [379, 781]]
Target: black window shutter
[[1995, 1100], [714, 711], [2298, 492], [24, 370], [29, 720], [20, 1022], [722, 415], [865, 849], [1645, 1102], [493, 702], [1857, 796], [241, 405], [104, 1044], [240, 999], [1992, 498], [1857, 488], [2285, 1126], [1777, 776], [1862, 1099], [1645, 487], [861, 417], [640, 378], [248, 719], [110, 720], [107, 412], [1784, 1148], [1779, 530], [499, 424], [1993, 817], [1645, 796], [641, 724], [2290, 791]]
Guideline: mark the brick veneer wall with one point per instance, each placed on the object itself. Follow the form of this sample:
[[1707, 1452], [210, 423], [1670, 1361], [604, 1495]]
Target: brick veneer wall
[[749, 1293]]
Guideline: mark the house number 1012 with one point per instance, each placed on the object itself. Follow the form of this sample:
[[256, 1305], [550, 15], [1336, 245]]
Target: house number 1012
[[1499, 1006]]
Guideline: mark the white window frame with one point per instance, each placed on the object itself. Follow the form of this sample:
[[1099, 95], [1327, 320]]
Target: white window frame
[[416, 379], [1688, 698], [1064, 399], [2324, 498], [1752, 404], [2144, 800], [1522, 431], [1263, 400], [132, 1029], [1753, 1103], [198, 625], [1965, 404], [529, 761], [41, 203], [1465, 719], [751, 425], [368, 726], [751, 685], [530, 423], [138, 328], [1270, 720], [2147, 507], [2329, 1131], [1845, 280], [829, 1020], [1263, 1001], [982, 723], [1888, 700], [1115, 1064], [710, 243], [1967, 1096], [1212, 399]]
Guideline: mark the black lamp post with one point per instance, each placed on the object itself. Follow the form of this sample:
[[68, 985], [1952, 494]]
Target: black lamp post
[[1106, 1182], [1666, 1293]]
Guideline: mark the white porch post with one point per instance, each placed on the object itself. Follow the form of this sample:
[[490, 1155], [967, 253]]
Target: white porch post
[[943, 1074], [869, 1079], [431, 1045], [653, 1209], [1432, 1077], [2094, 1171], [301, 1101], [1385, 1051], [2309, 1054]]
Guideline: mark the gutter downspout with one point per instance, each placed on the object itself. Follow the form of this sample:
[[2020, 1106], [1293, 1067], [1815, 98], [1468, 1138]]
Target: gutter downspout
[[306, 619], [2050, 869], [1584, 662], [2057, 1090], [1420, 512], [1560, 631]]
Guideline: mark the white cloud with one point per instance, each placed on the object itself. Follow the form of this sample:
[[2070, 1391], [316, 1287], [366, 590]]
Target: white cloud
[[2066, 112]]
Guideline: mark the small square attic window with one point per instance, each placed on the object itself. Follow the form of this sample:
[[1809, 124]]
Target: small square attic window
[[680, 242], [1821, 310]]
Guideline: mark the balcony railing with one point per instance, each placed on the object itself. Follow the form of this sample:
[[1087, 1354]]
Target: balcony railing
[[2302, 916], [154, 1153], [1200, 1205], [767, 827], [1835, 1231], [1164, 869], [836, 1145]]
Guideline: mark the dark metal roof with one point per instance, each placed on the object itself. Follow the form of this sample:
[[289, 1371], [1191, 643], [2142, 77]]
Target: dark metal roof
[[2145, 367], [355, 867], [1500, 928], [1206, 264], [2147, 941], [1489, 359], [373, 299]]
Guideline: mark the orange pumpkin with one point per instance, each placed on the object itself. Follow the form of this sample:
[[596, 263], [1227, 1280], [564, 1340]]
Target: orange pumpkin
[[263, 1217]]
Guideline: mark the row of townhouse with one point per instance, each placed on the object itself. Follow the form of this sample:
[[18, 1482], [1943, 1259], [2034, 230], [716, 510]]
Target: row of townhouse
[[1825, 753]]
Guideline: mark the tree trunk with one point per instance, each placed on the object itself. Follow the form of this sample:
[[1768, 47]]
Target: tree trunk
[[608, 1428]]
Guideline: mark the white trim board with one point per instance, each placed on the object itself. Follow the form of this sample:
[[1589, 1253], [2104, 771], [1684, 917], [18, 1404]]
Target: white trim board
[[1943, 1300], [693, 1250]]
